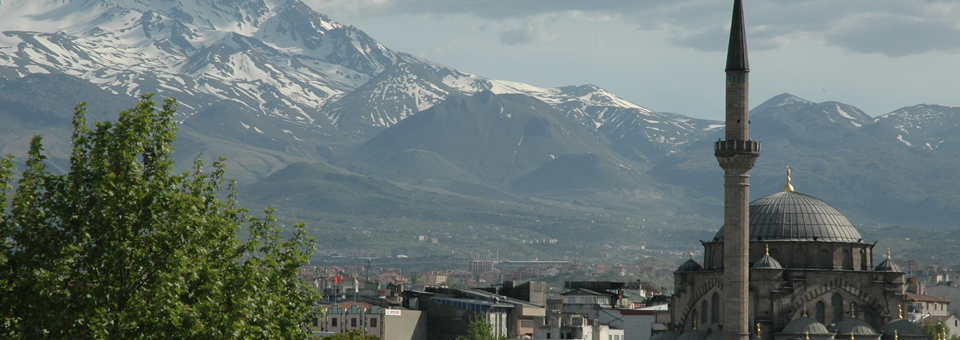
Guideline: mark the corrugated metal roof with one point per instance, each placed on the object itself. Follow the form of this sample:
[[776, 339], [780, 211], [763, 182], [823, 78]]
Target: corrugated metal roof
[[792, 216]]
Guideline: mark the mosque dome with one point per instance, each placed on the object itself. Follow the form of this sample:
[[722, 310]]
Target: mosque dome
[[805, 325], [689, 266], [902, 327], [695, 334], [767, 262], [792, 216], [665, 335], [854, 326]]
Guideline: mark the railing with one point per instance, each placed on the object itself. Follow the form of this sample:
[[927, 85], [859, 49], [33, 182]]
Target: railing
[[737, 146]]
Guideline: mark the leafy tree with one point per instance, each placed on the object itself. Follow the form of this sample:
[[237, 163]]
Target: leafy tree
[[480, 329], [938, 331], [353, 334], [122, 248]]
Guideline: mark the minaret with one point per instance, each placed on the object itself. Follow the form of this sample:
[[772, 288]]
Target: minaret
[[737, 155]]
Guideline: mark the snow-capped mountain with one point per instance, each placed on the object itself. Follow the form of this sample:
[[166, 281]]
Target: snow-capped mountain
[[287, 64], [925, 126]]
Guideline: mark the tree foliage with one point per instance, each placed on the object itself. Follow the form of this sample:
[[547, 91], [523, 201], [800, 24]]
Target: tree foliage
[[122, 248], [480, 329], [938, 331], [353, 334]]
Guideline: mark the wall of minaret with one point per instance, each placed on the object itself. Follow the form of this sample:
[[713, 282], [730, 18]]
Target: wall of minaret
[[738, 98]]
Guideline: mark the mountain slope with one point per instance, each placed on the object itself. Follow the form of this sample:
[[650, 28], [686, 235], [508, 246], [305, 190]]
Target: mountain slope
[[869, 177], [495, 138]]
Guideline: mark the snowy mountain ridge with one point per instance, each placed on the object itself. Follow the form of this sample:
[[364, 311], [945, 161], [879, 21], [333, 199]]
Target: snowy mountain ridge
[[287, 63]]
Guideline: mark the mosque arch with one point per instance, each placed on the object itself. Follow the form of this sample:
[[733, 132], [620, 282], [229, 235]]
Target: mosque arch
[[715, 304], [836, 310]]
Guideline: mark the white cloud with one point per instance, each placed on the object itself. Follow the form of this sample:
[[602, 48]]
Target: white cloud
[[890, 27]]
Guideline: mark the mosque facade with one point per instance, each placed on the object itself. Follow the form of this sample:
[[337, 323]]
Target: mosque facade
[[787, 266]]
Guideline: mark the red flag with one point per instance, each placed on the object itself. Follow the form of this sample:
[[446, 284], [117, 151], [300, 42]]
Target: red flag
[[339, 279]]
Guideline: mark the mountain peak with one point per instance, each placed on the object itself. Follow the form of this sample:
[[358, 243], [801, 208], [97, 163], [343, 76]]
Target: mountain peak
[[782, 100]]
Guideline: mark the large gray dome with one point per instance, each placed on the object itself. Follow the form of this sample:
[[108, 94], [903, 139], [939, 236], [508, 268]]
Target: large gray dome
[[792, 216]]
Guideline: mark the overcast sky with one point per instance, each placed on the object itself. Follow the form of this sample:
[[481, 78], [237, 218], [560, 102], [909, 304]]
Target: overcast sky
[[878, 55]]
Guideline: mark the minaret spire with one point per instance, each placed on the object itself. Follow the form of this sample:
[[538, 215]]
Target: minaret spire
[[737, 50], [736, 154]]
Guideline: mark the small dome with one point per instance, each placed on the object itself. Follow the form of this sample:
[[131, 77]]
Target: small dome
[[689, 266], [665, 335], [805, 325], [902, 327], [854, 326], [695, 334], [888, 265], [767, 262], [792, 216]]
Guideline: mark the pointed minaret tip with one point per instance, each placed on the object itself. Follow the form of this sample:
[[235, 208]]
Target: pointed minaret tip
[[737, 50]]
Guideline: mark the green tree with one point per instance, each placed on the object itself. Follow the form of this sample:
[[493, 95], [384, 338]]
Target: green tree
[[480, 329], [353, 334], [938, 331], [122, 248]]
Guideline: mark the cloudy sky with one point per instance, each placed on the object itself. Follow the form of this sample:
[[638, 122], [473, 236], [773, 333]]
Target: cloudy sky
[[878, 55]]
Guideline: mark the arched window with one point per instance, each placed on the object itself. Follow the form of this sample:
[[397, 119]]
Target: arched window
[[863, 260], [799, 258], [847, 260], [715, 312], [821, 312], [837, 303], [823, 259], [703, 318], [775, 254]]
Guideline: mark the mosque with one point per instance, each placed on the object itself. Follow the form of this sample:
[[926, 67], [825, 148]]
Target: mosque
[[787, 266]]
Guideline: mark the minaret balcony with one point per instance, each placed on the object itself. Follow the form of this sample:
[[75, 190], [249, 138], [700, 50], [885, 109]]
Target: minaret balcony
[[736, 147], [737, 155]]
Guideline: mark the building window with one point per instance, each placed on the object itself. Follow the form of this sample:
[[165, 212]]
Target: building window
[[837, 302], [353, 322], [333, 322], [847, 260], [703, 307], [548, 335], [799, 258], [373, 322], [715, 311], [863, 260], [823, 260], [821, 312]]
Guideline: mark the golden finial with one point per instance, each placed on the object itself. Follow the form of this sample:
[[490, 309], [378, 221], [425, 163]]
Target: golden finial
[[808, 334], [888, 253], [758, 330], [851, 335], [788, 187], [895, 335], [691, 254], [853, 312], [767, 245], [694, 324], [900, 311], [804, 310]]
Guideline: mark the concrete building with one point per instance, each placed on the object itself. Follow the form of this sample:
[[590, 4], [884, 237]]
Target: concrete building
[[576, 327], [449, 312], [387, 324]]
